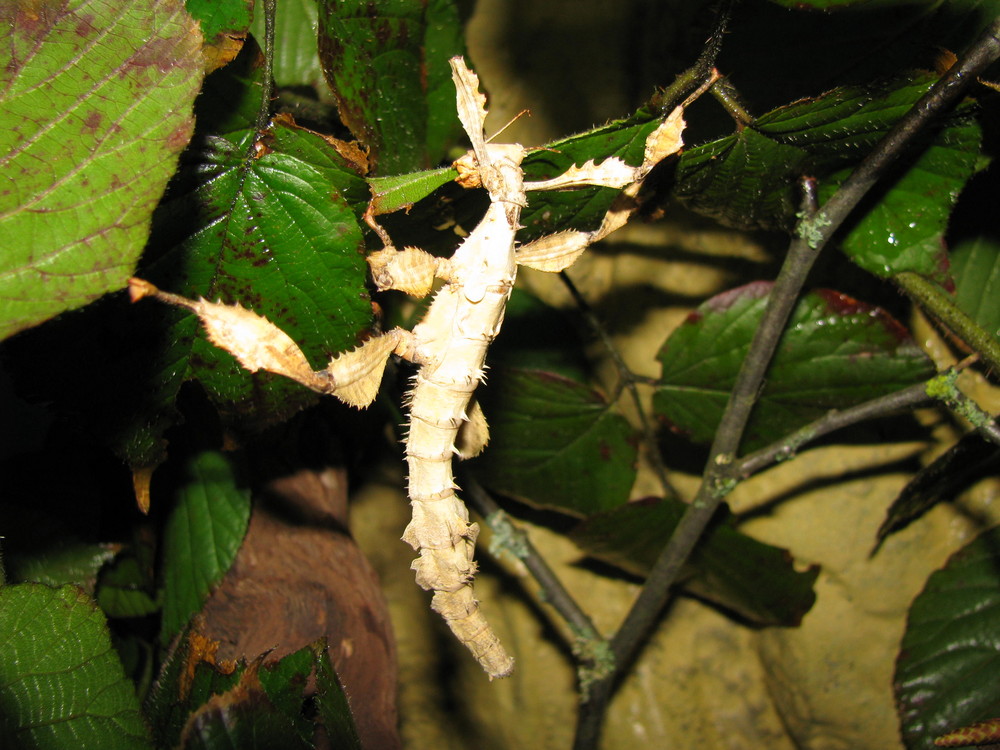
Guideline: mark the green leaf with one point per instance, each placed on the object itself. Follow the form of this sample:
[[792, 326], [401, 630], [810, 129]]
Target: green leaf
[[277, 231], [966, 462], [750, 179], [285, 681], [180, 688], [949, 659], [94, 110], [125, 589], [69, 561], [539, 337], [836, 352], [975, 267], [221, 17], [555, 442], [296, 59], [756, 581], [205, 529], [393, 193], [900, 225], [333, 708], [61, 684], [387, 64], [241, 719], [584, 208]]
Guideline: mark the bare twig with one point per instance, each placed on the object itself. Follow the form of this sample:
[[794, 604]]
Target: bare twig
[[893, 403], [514, 540], [627, 381], [945, 389], [813, 233]]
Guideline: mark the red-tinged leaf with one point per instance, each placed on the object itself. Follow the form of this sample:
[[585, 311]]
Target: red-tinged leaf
[[836, 352]]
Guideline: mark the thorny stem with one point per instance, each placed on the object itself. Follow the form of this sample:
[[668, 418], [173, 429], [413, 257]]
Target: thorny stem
[[627, 380], [267, 85], [705, 64], [725, 94], [813, 233], [942, 306]]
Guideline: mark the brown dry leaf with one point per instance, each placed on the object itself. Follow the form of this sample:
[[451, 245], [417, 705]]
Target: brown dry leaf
[[141, 479], [222, 51]]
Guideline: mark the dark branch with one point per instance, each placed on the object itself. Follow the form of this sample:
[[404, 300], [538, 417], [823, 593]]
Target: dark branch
[[813, 233]]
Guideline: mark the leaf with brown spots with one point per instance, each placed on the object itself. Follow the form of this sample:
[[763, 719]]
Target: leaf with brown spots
[[387, 64], [95, 106]]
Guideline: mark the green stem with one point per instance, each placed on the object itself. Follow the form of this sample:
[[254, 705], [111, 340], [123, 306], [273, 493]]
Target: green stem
[[941, 305]]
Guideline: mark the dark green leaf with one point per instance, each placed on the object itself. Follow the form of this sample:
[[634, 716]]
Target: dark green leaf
[[296, 60], [900, 225], [583, 209], [205, 529], [756, 581], [538, 337], [970, 459], [284, 682], [241, 719], [221, 17], [61, 684], [836, 352], [555, 442], [750, 179], [946, 674], [975, 267], [387, 64], [96, 106], [71, 561], [126, 589], [334, 710], [277, 232], [186, 681]]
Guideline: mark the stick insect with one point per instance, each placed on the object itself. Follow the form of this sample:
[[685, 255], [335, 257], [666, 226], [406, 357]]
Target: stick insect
[[448, 346]]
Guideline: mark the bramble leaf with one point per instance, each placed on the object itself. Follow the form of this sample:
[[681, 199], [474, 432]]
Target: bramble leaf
[[95, 107], [403, 46], [555, 442], [204, 532], [836, 352], [755, 580], [750, 179], [946, 674], [61, 683], [975, 267]]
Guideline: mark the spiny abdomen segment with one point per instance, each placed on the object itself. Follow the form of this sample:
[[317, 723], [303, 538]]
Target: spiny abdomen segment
[[440, 530]]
